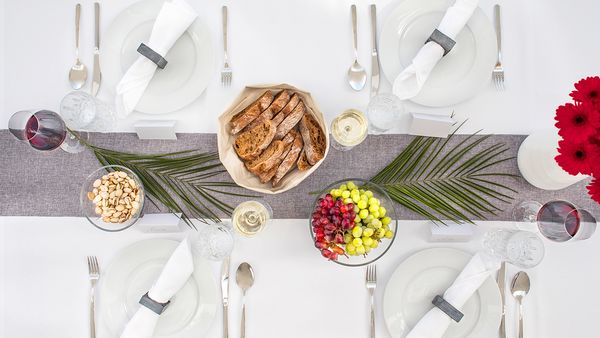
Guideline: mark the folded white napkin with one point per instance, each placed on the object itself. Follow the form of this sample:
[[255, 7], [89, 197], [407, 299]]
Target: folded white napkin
[[409, 83], [435, 322], [175, 274], [174, 18]]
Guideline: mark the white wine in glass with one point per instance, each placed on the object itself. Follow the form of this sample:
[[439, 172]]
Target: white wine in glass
[[349, 129], [251, 217]]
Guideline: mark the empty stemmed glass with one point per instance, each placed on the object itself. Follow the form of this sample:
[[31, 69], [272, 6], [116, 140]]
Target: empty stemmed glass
[[521, 248]]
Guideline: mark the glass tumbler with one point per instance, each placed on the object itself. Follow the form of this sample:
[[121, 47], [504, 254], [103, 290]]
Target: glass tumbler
[[384, 112], [521, 248], [213, 241]]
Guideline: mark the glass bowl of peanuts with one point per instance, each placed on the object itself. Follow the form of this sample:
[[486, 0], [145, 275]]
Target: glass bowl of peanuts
[[112, 198]]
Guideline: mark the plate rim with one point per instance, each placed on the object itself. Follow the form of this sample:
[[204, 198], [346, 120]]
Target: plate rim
[[143, 11], [403, 9], [489, 283], [212, 294]]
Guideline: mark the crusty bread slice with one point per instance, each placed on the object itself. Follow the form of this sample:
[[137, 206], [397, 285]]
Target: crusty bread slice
[[280, 101], [266, 175], [249, 144], [267, 159], [302, 162], [289, 107], [251, 112], [290, 121], [289, 161], [313, 137]]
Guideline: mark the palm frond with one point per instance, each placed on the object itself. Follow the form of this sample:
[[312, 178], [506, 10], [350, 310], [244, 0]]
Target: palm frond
[[180, 180], [444, 180]]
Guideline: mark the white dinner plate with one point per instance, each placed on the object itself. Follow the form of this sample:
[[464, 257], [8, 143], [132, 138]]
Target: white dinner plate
[[131, 274], [190, 61], [461, 73], [428, 273]]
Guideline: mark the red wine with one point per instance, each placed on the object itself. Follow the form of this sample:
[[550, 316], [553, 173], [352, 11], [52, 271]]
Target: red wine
[[45, 130], [558, 220]]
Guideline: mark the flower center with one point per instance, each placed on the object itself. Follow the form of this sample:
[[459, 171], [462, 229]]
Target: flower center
[[579, 120], [580, 154], [593, 94]]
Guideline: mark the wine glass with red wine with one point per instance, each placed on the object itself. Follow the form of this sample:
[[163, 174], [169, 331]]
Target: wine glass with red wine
[[561, 221]]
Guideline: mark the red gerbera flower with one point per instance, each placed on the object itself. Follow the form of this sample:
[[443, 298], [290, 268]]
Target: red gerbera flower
[[594, 189], [577, 157], [587, 90], [577, 122]]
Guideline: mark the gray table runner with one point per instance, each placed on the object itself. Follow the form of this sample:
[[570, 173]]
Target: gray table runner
[[36, 183]]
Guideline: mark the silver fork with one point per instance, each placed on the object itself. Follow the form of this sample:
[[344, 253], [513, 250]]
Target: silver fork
[[371, 278], [226, 73], [94, 270], [498, 72]]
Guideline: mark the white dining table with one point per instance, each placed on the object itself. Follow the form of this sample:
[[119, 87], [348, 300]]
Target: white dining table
[[548, 45]]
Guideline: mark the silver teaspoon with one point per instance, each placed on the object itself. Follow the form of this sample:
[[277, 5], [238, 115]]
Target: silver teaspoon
[[357, 76], [78, 73], [244, 278], [519, 288]]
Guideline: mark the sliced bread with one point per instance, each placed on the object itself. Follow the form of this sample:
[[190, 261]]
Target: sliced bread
[[289, 107], [250, 113], [267, 159], [249, 144], [290, 121], [280, 101], [313, 137], [289, 161], [302, 162]]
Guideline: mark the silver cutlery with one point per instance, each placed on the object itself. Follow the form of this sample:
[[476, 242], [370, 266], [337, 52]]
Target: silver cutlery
[[498, 72], [502, 287], [374, 53], [96, 75], [357, 76], [244, 278], [78, 73], [226, 73], [225, 295], [371, 283], [520, 288], [94, 272]]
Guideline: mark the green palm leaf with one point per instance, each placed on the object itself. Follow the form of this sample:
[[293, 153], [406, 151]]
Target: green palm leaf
[[441, 180], [180, 180]]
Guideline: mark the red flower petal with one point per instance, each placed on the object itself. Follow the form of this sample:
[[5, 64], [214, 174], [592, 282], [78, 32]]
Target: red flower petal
[[577, 157], [576, 122], [587, 90], [594, 189]]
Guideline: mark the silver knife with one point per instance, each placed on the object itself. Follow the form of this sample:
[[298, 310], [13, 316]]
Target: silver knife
[[225, 295], [97, 75], [374, 54], [501, 286]]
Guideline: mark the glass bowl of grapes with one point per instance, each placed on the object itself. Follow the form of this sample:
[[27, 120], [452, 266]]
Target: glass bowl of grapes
[[353, 222], [112, 198]]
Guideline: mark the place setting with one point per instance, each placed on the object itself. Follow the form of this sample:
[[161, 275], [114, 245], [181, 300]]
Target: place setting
[[205, 222]]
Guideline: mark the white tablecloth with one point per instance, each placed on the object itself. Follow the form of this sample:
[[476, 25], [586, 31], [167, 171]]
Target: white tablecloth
[[297, 293], [548, 45]]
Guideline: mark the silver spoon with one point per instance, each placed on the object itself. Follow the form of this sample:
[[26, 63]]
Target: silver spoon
[[357, 76], [244, 278], [519, 289], [78, 73]]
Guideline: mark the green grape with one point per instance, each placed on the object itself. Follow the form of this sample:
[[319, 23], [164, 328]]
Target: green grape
[[368, 232], [343, 187], [369, 193], [370, 226], [351, 185], [376, 224], [373, 201], [357, 242], [362, 204], [357, 231], [382, 211], [336, 193], [369, 219], [332, 192], [380, 233], [363, 213], [347, 238], [361, 250], [376, 214], [345, 194], [357, 219], [364, 197], [373, 208], [350, 248], [354, 191], [348, 200], [355, 199], [389, 234], [356, 209], [368, 249], [386, 220], [367, 241], [375, 244]]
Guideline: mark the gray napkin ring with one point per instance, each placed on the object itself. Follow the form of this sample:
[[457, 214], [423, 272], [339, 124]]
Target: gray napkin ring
[[153, 56], [443, 40], [447, 308], [153, 305]]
